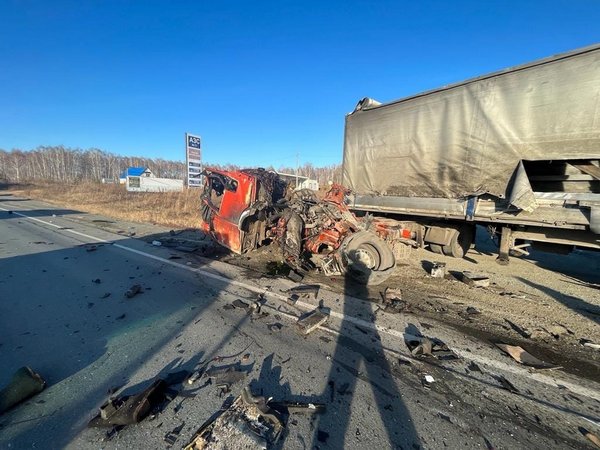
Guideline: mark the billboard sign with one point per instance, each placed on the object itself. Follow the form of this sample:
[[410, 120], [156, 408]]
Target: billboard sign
[[193, 160]]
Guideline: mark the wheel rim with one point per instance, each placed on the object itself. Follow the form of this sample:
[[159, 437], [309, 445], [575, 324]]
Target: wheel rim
[[368, 256]]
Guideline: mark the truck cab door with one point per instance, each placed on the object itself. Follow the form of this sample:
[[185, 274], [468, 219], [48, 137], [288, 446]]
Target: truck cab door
[[223, 201]]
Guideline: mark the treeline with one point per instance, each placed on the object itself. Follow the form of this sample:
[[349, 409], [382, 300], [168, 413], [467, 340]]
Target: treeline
[[68, 165]]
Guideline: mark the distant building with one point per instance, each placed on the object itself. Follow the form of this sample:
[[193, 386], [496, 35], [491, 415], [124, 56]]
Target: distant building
[[153, 184], [299, 181], [135, 172]]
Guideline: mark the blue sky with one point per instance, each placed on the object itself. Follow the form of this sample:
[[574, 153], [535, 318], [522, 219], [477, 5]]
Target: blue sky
[[259, 81]]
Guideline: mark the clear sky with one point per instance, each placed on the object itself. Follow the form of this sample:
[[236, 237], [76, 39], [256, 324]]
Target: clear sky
[[259, 81]]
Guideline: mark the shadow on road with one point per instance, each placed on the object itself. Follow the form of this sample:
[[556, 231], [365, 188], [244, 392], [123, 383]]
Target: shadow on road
[[359, 355], [588, 310]]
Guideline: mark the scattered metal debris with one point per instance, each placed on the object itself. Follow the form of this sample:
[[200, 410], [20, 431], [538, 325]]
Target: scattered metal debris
[[25, 383], [225, 377], [248, 423], [311, 321], [171, 436], [472, 311], [475, 279], [424, 346], [305, 290], [438, 270], [130, 409], [522, 331], [473, 367], [506, 384], [522, 356], [392, 300], [133, 291]]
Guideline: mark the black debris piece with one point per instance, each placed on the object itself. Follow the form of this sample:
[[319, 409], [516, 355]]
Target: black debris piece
[[275, 326], [471, 310], [506, 384], [133, 291], [474, 367], [522, 331], [171, 436], [130, 409], [106, 295], [225, 377], [97, 281], [122, 316], [424, 347], [295, 276], [240, 304]]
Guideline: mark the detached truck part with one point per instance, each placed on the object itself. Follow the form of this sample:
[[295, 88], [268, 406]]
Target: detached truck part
[[516, 150]]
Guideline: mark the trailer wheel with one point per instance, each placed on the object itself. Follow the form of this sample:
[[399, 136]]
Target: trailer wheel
[[368, 259], [436, 248], [460, 243]]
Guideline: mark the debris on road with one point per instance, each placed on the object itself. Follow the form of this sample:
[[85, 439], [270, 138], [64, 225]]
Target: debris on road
[[240, 304], [522, 356], [472, 311], [311, 321], [506, 384], [392, 300], [438, 270], [133, 291], [225, 377], [589, 344], [427, 380], [275, 326], [106, 295], [590, 436], [130, 409], [475, 279], [171, 436], [248, 423], [424, 346], [156, 243], [305, 290], [97, 281], [522, 331], [25, 383]]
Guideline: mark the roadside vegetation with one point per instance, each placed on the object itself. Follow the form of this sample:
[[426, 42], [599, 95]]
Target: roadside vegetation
[[171, 209]]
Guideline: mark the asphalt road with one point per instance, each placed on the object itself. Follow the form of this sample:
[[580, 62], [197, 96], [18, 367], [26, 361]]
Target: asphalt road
[[56, 317]]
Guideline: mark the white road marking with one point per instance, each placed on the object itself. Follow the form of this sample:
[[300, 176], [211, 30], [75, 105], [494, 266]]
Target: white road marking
[[499, 365]]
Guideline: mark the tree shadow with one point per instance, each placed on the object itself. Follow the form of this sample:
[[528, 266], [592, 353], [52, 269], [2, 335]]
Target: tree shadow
[[358, 351]]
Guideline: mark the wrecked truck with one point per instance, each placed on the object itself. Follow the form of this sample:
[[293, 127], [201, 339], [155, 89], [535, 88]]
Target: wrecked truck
[[246, 209], [517, 151]]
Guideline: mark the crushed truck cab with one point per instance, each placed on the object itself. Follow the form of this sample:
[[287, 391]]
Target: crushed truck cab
[[245, 209]]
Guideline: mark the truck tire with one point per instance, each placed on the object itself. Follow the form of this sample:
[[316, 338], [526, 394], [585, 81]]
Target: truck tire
[[436, 248], [460, 243], [368, 259]]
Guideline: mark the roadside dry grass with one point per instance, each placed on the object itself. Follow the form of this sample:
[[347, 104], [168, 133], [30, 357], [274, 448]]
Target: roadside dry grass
[[171, 209]]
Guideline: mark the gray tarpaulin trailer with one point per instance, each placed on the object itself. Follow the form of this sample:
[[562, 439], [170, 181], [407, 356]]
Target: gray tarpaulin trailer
[[518, 150]]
